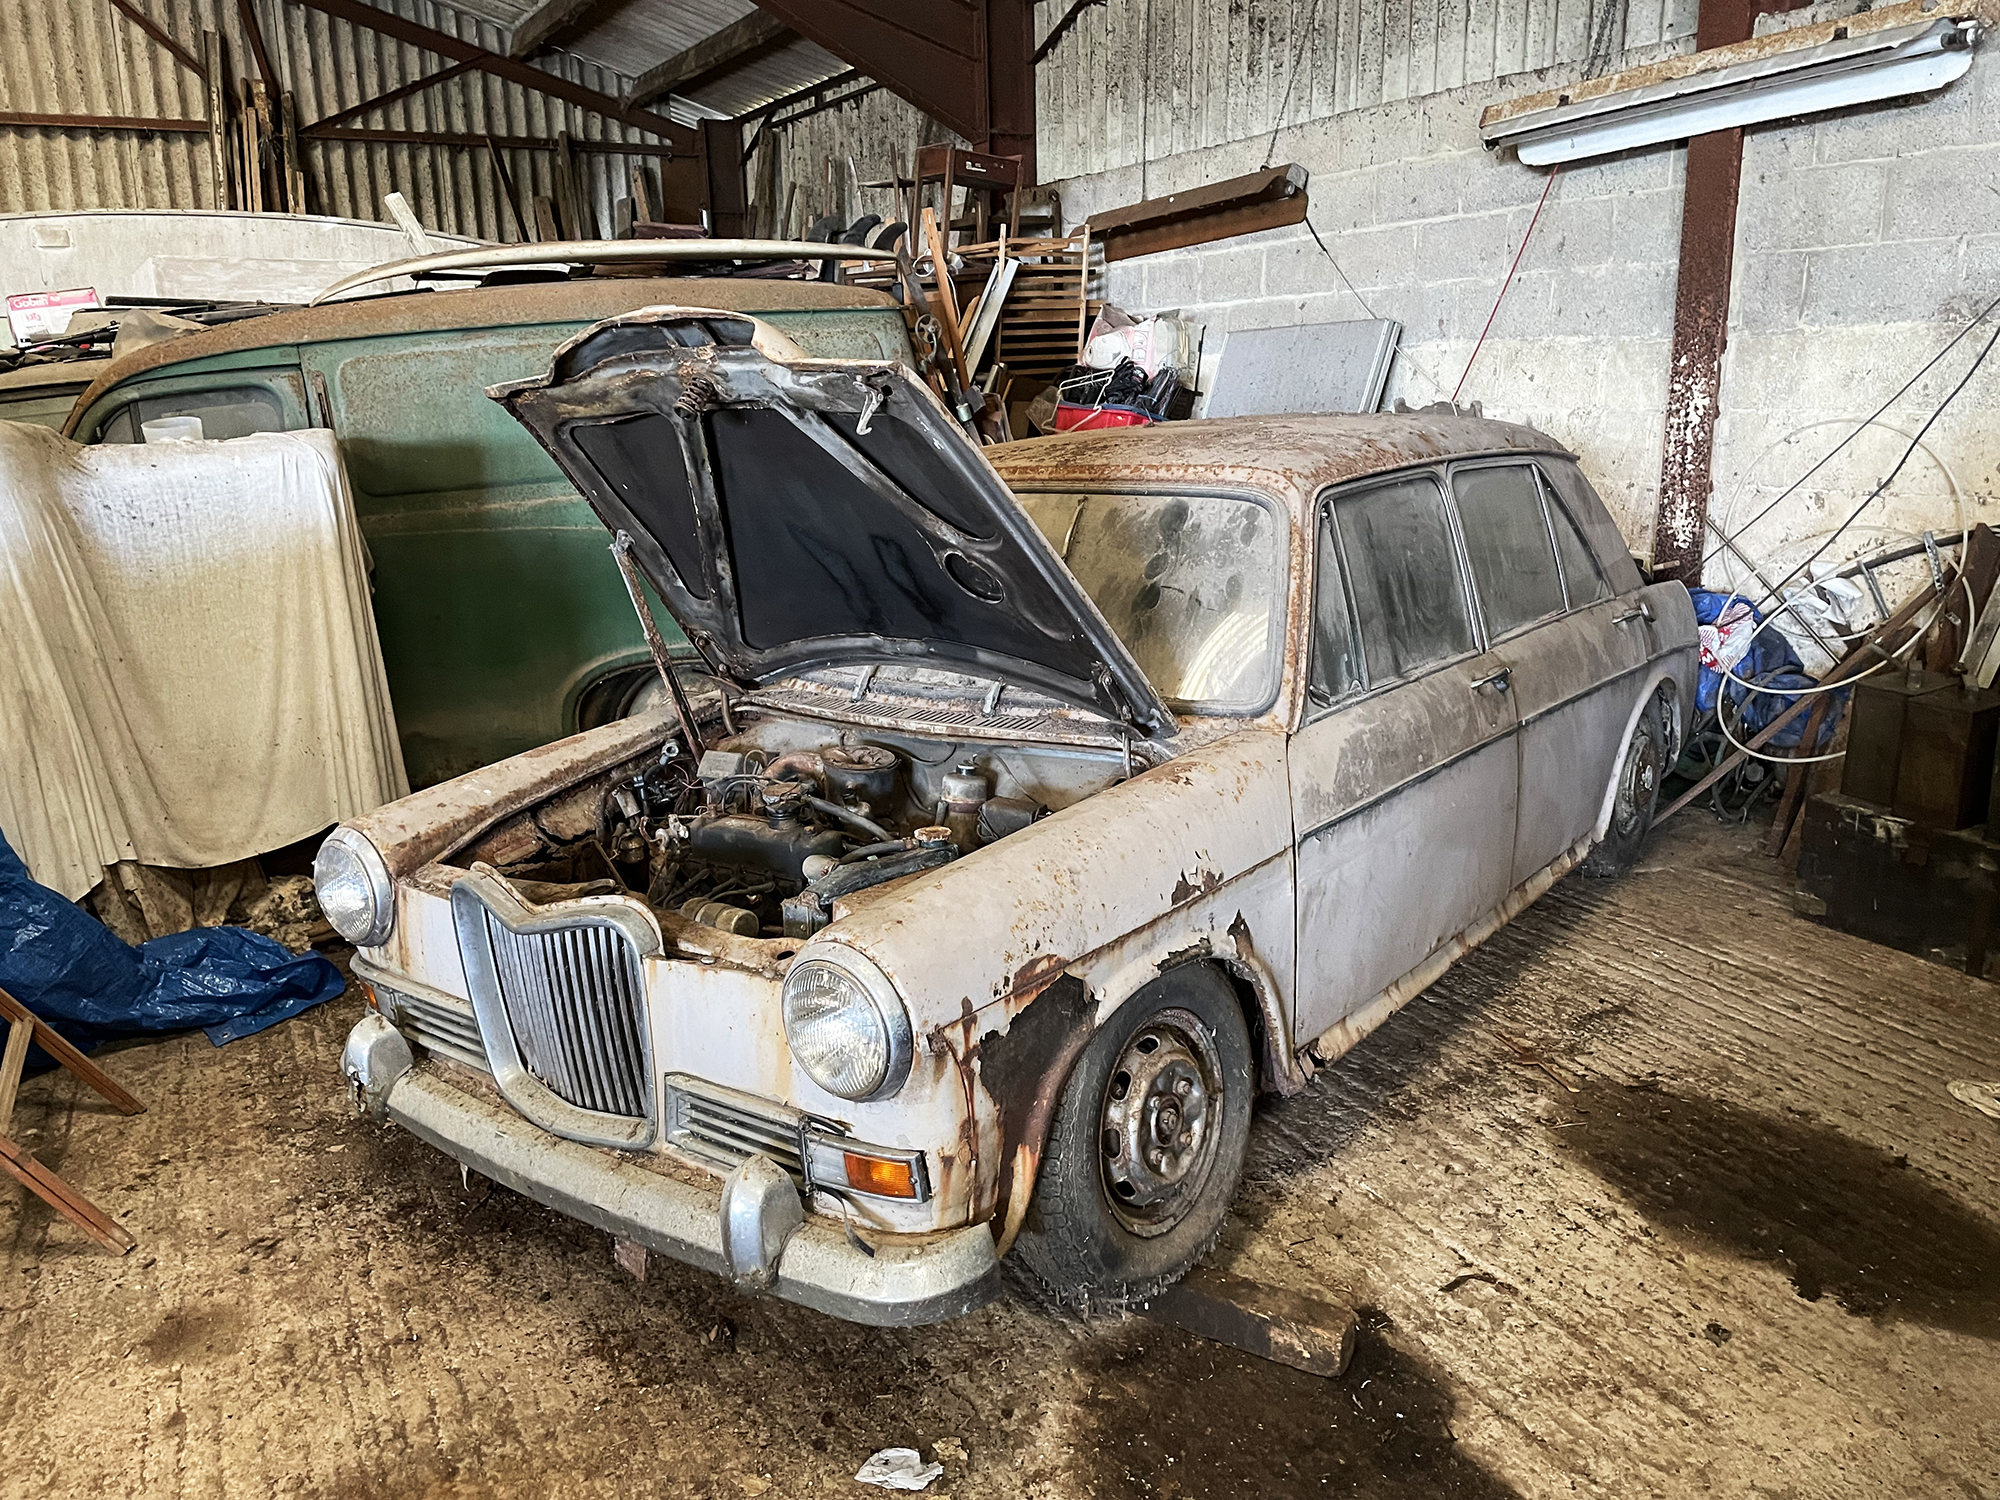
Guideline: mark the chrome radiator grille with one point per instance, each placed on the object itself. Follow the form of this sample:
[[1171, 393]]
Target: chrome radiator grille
[[575, 1003]]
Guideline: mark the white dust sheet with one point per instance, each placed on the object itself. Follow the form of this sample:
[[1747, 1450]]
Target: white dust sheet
[[189, 672]]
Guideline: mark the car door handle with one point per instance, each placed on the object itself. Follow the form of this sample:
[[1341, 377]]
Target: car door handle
[[1643, 612], [1498, 681]]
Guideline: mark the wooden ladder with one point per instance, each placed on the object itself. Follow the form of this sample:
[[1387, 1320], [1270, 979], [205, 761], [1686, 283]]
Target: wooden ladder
[[24, 1026]]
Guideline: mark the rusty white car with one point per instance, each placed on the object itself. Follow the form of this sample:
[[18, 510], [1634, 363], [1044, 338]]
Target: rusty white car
[[1038, 808]]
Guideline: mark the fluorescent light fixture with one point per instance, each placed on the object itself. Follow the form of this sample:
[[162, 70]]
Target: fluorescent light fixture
[[1843, 71]]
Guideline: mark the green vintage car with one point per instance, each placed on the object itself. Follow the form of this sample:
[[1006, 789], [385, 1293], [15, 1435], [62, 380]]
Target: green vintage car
[[503, 620]]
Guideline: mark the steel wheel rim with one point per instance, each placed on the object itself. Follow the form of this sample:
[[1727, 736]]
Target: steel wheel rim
[[1159, 1123], [1638, 782]]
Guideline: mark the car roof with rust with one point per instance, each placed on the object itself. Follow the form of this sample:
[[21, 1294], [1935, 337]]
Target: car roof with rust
[[584, 300], [1294, 456]]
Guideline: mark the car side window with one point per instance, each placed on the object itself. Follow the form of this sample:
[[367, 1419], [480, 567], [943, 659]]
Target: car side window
[[225, 412], [1334, 669], [1593, 522], [1403, 575], [1582, 577], [1507, 543]]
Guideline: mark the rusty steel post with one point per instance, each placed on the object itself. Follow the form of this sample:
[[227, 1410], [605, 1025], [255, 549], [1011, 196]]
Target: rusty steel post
[[1701, 316]]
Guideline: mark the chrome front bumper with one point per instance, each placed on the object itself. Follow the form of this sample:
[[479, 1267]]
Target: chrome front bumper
[[751, 1228]]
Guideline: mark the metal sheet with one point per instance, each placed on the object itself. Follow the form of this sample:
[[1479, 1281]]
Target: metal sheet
[[1309, 367], [331, 67]]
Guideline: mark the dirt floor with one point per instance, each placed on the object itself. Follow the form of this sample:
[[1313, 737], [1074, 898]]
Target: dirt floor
[[1735, 1238]]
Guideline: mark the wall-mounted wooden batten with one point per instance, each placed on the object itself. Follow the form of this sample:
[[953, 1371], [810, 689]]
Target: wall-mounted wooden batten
[[1268, 199]]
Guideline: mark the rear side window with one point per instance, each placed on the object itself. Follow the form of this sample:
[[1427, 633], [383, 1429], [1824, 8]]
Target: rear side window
[[1508, 546], [1581, 573], [225, 412], [1335, 669], [1600, 532], [1408, 601]]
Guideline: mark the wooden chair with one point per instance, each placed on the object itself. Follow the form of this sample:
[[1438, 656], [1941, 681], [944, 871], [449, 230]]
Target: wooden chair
[[24, 1026]]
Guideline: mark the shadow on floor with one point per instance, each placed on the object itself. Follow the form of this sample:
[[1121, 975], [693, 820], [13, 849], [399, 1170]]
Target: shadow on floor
[[1845, 1220]]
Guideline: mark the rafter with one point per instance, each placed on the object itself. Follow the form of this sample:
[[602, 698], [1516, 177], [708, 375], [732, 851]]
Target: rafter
[[159, 34], [711, 57], [968, 64], [549, 23], [357, 13], [414, 86]]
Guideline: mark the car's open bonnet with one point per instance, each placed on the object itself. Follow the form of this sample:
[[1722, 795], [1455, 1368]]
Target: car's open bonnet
[[798, 513]]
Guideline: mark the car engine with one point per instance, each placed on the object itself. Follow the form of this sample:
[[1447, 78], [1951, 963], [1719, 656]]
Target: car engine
[[759, 844]]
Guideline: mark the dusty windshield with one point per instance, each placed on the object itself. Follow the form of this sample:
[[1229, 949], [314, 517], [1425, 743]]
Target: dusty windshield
[[1192, 584]]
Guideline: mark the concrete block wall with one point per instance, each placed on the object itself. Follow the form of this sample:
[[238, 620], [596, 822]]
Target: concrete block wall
[[1420, 223], [1865, 240]]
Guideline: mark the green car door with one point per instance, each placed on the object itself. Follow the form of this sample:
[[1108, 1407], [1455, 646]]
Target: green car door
[[496, 598]]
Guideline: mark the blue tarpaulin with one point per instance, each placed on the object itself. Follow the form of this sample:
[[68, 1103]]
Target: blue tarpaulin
[[1770, 664], [68, 968]]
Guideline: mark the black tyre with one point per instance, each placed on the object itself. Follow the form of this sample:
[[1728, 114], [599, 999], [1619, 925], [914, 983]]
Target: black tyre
[[1147, 1145], [1640, 773]]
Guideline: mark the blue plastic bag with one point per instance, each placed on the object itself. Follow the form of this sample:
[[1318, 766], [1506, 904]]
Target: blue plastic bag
[[68, 968], [1770, 664]]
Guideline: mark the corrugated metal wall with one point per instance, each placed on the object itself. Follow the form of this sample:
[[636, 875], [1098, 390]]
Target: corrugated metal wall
[[1139, 80], [879, 133], [81, 57], [1143, 79]]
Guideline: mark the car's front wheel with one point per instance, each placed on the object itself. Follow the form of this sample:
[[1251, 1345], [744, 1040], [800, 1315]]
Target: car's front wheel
[[1147, 1145], [1637, 794]]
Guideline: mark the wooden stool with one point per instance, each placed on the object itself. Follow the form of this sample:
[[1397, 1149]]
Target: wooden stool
[[25, 1027]]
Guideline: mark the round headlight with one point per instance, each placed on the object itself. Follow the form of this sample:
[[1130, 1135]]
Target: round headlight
[[354, 888], [846, 1027]]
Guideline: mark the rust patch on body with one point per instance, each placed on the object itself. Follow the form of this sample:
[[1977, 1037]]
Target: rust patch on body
[[1023, 1070], [1036, 975], [1200, 883]]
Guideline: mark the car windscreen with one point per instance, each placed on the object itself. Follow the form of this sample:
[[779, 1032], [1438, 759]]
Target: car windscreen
[[1192, 584]]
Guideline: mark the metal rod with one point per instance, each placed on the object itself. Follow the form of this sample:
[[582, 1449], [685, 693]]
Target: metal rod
[[621, 550], [600, 252]]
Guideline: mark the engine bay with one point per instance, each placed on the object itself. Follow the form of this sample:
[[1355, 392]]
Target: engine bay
[[769, 829]]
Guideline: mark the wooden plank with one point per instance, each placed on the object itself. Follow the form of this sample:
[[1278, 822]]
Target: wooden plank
[[1274, 1323], [63, 1198], [218, 144], [295, 172], [19, 1034], [53, 1044], [945, 301]]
